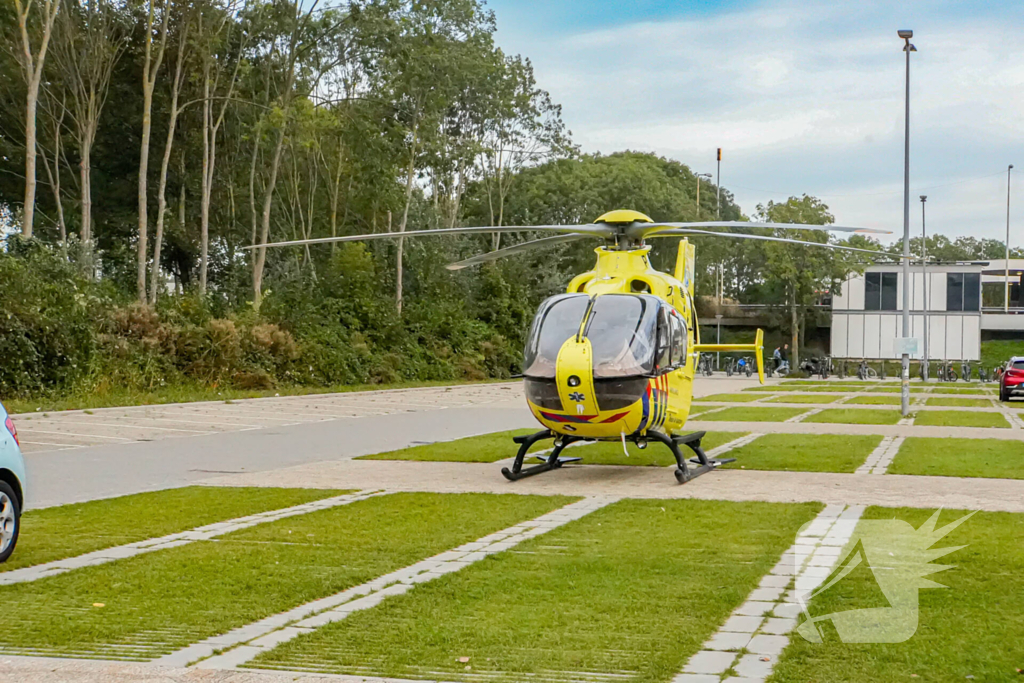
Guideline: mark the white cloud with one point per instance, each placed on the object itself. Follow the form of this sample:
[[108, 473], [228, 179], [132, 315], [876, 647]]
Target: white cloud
[[809, 98]]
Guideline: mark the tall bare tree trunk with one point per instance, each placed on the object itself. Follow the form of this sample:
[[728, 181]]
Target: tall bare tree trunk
[[32, 66], [409, 177], [53, 176], [85, 183], [204, 205], [268, 200], [151, 68], [161, 213]]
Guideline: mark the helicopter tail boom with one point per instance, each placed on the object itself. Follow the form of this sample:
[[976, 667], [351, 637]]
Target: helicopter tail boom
[[757, 348]]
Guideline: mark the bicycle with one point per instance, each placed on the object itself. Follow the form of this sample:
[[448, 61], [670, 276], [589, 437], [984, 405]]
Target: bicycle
[[946, 372], [865, 371], [825, 367], [966, 370], [745, 365], [982, 374], [706, 364]]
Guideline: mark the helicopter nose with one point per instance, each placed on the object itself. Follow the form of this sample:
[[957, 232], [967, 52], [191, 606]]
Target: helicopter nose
[[574, 375]]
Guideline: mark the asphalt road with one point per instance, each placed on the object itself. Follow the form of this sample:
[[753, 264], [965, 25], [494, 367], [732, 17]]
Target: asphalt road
[[115, 452]]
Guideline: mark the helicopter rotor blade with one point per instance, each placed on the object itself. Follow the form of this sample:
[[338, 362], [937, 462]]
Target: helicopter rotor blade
[[675, 232], [642, 230], [589, 229], [517, 249]]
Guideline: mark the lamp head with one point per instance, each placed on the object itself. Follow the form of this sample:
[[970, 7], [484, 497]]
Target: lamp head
[[924, 197], [905, 34]]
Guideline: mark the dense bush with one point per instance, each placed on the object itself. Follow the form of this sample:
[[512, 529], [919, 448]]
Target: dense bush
[[60, 332]]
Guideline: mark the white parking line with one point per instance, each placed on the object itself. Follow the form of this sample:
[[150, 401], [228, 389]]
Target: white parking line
[[245, 643], [202, 533], [127, 425], [32, 430]]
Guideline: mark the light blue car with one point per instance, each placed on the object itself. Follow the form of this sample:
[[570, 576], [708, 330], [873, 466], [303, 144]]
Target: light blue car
[[12, 486]]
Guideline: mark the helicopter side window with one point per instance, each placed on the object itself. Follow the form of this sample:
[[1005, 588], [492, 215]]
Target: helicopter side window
[[557, 320], [664, 354], [678, 340]]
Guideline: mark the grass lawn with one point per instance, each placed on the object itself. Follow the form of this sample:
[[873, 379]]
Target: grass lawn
[[856, 416], [804, 452], [480, 448], [876, 400], [753, 414], [957, 418], [153, 604], [971, 630], [628, 593], [959, 402], [656, 454], [990, 458], [110, 397], [803, 398], [60, 532], [729, 398]]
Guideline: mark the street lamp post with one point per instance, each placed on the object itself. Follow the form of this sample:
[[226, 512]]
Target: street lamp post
[[718, 201], [908, 47], [1006, 292], [924, 278]]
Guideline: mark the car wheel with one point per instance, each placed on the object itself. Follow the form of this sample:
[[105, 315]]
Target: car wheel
[[1004, 395], [10, 521]]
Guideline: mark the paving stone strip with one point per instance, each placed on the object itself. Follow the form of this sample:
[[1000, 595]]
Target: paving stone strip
[[880, 458], [760, 626], [202, 533], [801, 417], [732, 445], [246, 642]]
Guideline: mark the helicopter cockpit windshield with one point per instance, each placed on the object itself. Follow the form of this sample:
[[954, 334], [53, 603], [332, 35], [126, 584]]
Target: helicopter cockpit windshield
[[622, 329]]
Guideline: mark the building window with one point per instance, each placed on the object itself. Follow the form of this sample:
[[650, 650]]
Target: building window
[[963, 291], [880, 291]]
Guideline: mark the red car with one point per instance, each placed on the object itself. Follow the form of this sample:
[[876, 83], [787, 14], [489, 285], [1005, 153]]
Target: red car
[[1012, 382]]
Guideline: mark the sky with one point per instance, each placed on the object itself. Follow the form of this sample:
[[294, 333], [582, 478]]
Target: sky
[[803, 97]]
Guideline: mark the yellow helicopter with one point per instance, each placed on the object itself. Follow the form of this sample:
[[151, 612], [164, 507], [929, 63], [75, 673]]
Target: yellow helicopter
[[613, 359]]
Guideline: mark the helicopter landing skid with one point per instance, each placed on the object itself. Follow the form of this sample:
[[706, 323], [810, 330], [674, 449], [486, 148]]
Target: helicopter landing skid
[[552, 461], [685, 473]]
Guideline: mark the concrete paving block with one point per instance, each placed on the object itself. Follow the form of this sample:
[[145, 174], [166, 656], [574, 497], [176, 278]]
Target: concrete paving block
[[766, 594], [742, 624], [768, 645], [751, 666], [754, 608], [322, 619], [709, 662], [773, 580], [778, 627], [275, 638], [831, 511], [787, 610], [725, 640], [231, 658], [696, 678], [743, 679], [448, 556]]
